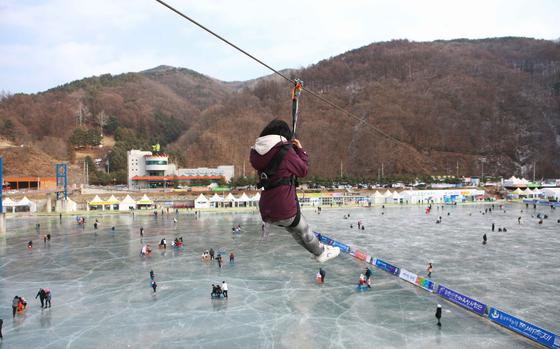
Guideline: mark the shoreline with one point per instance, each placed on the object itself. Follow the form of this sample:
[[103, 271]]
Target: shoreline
[[221, 210]]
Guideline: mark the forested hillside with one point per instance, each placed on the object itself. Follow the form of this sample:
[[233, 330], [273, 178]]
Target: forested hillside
[[449, 103]]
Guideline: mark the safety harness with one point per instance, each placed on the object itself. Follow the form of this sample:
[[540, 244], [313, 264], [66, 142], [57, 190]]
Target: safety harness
[[265, 176]]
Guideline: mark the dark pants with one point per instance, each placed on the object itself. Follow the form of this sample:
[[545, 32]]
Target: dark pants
[[225, 293], [42, 301], [48, 302], [1, 323], [14, 309]]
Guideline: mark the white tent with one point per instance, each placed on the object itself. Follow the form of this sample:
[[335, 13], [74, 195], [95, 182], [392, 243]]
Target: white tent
[[127, 204], [243, 200], [528, 192], [397, 197], [537, 192], [7, 202], [378, 198], [201, 202], [551, 193], [216, 200], [229, 200], [25, 202], [388, 197]]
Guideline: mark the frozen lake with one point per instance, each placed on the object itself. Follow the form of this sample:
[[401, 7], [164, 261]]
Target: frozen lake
[[102, 296]]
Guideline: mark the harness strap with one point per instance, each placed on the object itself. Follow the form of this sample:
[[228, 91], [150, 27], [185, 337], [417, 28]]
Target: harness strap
[[298, 215], [270, 171]]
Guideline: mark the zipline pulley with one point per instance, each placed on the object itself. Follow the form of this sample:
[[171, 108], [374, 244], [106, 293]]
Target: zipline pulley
[[298, 85]]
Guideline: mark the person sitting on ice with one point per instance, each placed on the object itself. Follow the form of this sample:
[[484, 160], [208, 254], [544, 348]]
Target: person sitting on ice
[[146, 250], [362, 281], [279, 159], [163, 243], [216, 291]]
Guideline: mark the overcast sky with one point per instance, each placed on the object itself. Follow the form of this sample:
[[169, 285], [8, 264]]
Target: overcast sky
[[45, 43]]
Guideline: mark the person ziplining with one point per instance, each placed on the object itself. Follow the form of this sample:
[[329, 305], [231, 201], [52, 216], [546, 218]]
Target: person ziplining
[[280, 159]]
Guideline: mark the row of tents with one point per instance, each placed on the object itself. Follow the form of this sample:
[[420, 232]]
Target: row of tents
[[23, 205], [114, 204], [128, 203], [545, 193], [216, 201]]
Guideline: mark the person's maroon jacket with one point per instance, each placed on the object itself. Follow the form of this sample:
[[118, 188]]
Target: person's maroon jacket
[[278, 203]]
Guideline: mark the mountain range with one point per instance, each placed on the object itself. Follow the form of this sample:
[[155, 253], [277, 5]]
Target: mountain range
[[448, 107]]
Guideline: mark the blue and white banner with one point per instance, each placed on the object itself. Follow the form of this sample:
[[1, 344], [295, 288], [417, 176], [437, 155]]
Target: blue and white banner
[[524, 328], [426, 284], [462, 300], [329, 241], [387, 267]]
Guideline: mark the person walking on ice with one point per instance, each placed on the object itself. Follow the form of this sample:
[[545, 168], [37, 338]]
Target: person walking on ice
[[279, 162], [154, 285], [438, 315], [429, 270]]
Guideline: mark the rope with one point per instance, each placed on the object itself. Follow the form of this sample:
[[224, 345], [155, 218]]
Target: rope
[[314, 94]]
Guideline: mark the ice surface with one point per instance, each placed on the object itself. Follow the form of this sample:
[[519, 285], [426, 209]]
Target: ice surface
[[102, 296]]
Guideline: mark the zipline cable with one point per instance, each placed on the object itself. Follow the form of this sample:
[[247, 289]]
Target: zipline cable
[[314, 94]]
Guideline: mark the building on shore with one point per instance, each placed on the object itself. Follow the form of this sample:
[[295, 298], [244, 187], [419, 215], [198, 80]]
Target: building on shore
[[30, 183], [153, 170]]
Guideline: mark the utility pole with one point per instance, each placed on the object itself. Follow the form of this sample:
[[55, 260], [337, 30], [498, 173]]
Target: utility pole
[[243, 168], [340, 168], [382, 170], [457, 176], [534, 169]]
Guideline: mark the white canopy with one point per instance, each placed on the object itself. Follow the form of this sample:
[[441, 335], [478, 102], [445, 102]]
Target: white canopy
[[201, 202], [229, 198], [397, 196], [257, 197], [201, 198], [377, 194], [127, 203], [551, 192], [7, 202], [528, 191], [24, 202], [387, 194], [243, 198], [128, 200], [216, 198]]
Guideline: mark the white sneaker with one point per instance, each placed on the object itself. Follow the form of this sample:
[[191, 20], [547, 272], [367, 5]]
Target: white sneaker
[[329, 252]]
